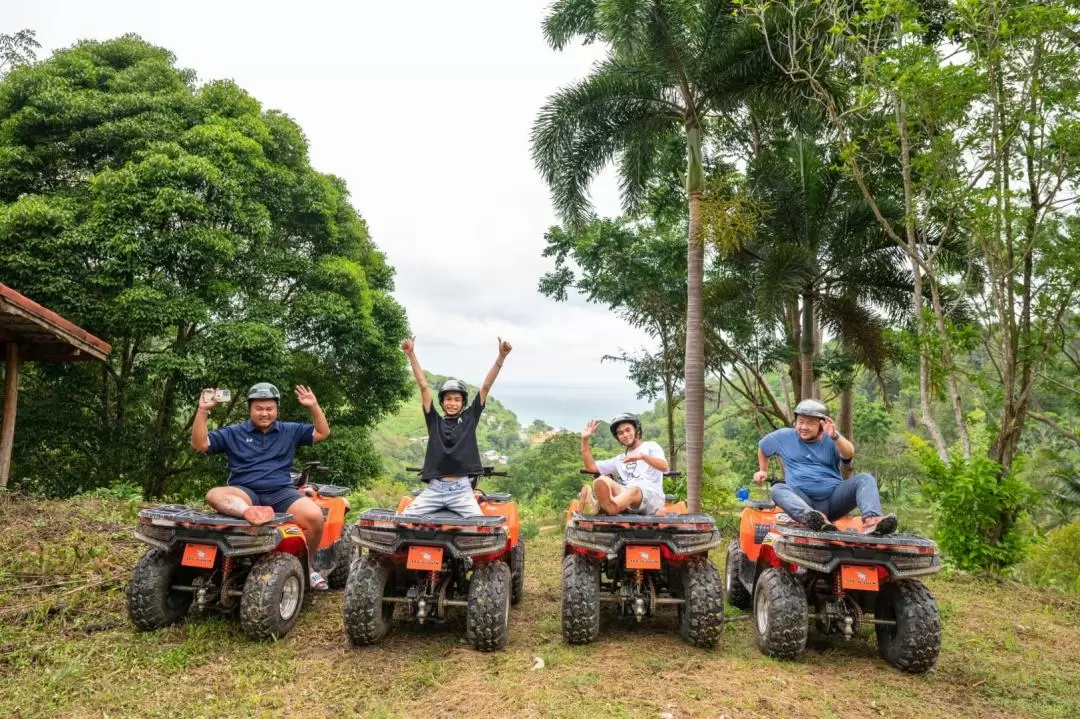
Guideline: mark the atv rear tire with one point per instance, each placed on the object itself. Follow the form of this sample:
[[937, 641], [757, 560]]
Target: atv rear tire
[[737, 595], [580, 599], [781, 617], [914, 642], [273, 595], [367, 616], [517, 571], [701, 615], [487, 624], [343, 556], [150, 603]]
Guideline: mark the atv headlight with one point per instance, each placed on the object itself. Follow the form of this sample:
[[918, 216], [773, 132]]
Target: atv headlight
[[599, 541], [801, 553], [149, 531], [699, 541], [375, 536], [479, 543], [909, 562]]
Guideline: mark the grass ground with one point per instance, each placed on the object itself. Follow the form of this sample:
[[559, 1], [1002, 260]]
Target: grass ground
[[66, 649]]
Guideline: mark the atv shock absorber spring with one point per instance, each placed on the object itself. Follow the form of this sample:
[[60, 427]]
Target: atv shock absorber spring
[[838, 585], [433, 579], [226, 570], [639, 578]]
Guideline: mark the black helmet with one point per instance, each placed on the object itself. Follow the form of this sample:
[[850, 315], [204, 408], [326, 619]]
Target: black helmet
[[454, 385], [811, 408], [623, 419], [263, 390]]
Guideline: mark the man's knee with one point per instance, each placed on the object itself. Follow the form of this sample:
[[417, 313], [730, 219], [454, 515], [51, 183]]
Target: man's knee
[[864, 479], [307, 514]]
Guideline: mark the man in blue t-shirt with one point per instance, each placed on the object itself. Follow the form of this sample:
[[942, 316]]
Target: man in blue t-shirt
[[260, 453], [813, 492]]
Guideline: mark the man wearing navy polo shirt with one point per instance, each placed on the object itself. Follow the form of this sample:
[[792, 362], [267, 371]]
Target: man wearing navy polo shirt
[[260, 453]]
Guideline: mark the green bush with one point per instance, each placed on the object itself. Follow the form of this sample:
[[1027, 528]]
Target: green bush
[[1056, 561], [980, 513]]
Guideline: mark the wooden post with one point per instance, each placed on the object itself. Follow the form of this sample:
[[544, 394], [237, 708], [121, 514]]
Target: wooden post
[[11, 398]]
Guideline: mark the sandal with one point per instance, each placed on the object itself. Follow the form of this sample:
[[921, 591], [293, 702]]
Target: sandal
[[318, 582], [258, 514]]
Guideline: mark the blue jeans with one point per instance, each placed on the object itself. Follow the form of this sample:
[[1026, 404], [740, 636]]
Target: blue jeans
[[455, 495], [860, 490]]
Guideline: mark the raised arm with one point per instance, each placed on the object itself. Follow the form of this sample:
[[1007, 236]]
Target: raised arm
[[844, 446], [200, 435], [504, 349], [586, 452], [408, 346], [307, 399]]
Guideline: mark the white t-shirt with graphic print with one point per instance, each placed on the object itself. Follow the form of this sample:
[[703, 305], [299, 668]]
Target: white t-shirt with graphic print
[[638, 472]]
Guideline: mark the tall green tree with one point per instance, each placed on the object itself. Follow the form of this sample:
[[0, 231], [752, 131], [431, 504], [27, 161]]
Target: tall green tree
[[182, 223], [670, 65]]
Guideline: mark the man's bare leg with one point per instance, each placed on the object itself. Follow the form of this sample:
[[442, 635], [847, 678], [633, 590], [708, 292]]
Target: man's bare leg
[[613, 499], [234, 502], [308, 516]]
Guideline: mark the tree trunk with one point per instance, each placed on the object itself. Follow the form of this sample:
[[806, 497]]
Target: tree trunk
[[845, 417], [11, 402], [806, 348], [694, 368]]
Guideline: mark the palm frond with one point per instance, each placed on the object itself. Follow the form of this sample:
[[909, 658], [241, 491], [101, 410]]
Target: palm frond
[[583, 127], [568, 19]]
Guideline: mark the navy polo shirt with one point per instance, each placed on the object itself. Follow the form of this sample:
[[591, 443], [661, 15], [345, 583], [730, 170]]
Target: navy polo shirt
[[261, 461]]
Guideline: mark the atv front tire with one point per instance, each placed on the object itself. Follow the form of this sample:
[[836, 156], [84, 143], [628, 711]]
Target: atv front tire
[[737, 596], [343, 556], [151, 601], [701, 615], [517, 571], [367, 616], [273, 595], [914, 642], [487, 623], [580, 599], [781, 617]]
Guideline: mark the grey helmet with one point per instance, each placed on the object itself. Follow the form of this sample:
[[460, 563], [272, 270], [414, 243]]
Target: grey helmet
[[263, 390], [811, 408], [623, 419], [454, 385]]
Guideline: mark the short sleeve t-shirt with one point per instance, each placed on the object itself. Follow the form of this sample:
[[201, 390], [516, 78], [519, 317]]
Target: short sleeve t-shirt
[[261, 461], [638, 472], [811, 467], [452, 450]]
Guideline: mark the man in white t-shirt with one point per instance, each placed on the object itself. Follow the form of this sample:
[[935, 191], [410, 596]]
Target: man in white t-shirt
[[631, 483]]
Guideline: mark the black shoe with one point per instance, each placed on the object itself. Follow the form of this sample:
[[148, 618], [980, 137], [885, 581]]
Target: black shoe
[[880, 526], [818, 522]]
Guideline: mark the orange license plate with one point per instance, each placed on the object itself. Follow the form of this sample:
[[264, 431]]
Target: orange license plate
[[638, 557], [428, 559], [199, 555], [858, 578]]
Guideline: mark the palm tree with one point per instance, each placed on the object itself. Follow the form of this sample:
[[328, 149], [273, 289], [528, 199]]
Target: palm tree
[[822, 260], [670, 65]]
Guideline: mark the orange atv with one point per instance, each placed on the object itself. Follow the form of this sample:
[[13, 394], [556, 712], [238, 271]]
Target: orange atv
[[430, 564], [214, 561], [641, 563], [791, 576]]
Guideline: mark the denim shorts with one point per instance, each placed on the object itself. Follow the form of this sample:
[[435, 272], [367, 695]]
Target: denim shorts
[[279, 499]]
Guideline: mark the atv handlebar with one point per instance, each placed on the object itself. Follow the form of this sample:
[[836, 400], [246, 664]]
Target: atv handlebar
[[597, 474], [487, 471]]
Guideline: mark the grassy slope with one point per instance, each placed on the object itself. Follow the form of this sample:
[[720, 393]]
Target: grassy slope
[[66, 649]]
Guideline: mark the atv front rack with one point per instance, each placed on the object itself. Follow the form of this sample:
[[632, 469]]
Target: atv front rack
[[178, 515], [681, 534], [904, 555], [387, 518]]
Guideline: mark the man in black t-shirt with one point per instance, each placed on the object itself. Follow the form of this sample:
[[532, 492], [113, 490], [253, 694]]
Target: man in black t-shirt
[[453, 456]]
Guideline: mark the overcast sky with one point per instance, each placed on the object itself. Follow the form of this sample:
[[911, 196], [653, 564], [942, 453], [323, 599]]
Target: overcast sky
[[425, 109]]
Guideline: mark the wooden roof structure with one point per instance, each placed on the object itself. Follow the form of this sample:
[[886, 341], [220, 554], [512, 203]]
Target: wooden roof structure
[[32, 333]]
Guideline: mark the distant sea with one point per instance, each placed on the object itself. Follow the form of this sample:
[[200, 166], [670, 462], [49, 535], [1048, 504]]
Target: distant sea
[[568, 406]]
